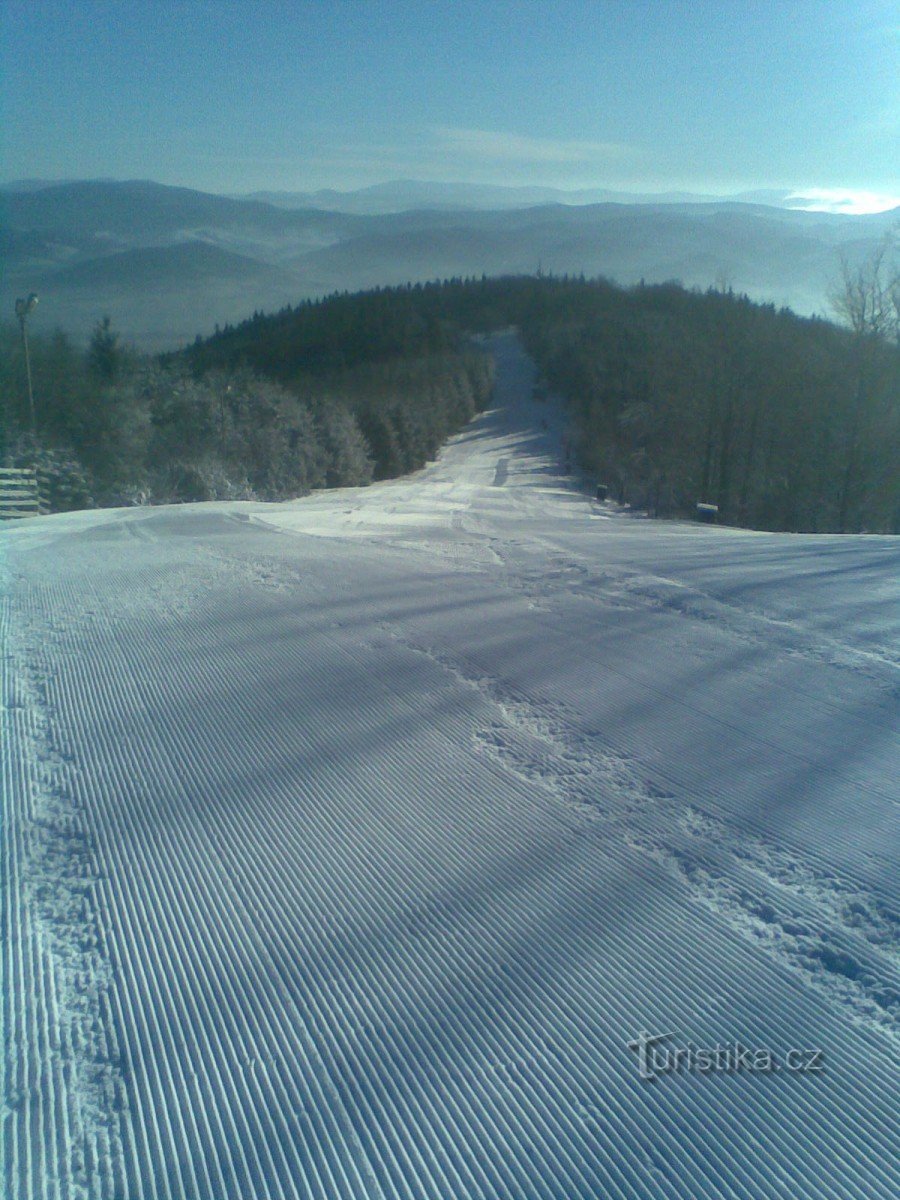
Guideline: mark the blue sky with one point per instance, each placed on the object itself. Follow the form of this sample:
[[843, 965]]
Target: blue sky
[[637, 94]]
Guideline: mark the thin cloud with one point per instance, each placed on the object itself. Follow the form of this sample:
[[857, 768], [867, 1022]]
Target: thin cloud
[[473, 155], [487, 146]]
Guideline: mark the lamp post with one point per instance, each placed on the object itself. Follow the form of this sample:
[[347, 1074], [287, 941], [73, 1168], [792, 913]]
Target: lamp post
[[23, 308]]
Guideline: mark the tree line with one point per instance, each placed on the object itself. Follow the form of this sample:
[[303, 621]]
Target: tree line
[[675, 397], [678, 398], [332, 394]]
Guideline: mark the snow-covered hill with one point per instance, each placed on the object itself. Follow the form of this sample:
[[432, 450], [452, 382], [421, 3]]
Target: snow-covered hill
[[348, 843]]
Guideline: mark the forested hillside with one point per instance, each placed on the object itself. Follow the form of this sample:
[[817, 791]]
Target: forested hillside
[[281, 406], [675, 397]]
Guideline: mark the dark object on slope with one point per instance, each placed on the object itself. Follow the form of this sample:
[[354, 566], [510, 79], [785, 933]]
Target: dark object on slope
[[602, 491], [707, 513]]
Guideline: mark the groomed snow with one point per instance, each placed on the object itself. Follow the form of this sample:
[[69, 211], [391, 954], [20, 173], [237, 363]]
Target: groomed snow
[[348, 842]]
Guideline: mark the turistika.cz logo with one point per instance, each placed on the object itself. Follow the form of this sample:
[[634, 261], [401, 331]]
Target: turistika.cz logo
[[656, 1059]]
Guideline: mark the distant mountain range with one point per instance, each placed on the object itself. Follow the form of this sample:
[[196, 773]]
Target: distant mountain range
[[403, 194], [166, 263]]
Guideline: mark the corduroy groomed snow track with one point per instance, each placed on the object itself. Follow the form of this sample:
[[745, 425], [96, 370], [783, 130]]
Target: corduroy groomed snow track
[[348, 843]]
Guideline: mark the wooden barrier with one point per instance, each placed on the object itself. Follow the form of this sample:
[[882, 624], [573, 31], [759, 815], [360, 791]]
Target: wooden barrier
[[22, 493]]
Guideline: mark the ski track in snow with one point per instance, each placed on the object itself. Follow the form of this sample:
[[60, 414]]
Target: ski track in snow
[[347, 843]]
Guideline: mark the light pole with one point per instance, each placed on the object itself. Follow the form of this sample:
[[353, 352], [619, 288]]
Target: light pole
[[23, 308]]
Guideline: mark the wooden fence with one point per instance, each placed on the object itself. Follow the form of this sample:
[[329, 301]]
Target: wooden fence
[[23, 493]]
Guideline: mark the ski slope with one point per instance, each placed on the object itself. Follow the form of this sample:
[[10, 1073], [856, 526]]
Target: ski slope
[[347, 843]]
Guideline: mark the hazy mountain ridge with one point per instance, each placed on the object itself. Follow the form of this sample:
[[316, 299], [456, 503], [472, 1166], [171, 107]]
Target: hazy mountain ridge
[[149, 265], [400, 194], [167, 263], [140, 207]]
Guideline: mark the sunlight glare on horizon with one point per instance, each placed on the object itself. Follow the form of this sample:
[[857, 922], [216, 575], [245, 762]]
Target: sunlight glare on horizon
[[837, 200]]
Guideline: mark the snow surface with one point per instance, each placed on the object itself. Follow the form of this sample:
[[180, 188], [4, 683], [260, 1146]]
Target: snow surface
[[348, 842]]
